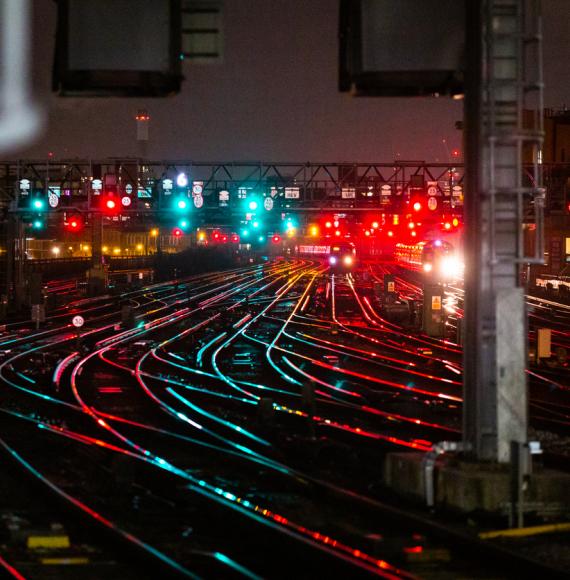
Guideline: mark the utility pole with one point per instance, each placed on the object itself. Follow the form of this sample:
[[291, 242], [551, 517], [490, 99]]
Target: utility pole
[[503, 53], [97, 276]]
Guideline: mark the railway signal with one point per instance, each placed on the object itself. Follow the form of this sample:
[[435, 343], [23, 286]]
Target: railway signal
[[74, 224], [109, 204], [38, 204]]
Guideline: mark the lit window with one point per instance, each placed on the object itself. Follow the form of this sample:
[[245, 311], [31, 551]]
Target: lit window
[[202, 31]]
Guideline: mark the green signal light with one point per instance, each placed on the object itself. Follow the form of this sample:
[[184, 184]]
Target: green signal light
[[183, 223], [38, 204], [37, 224], [252, 205], [255, 224], [245, 233], [181, 204], [261, 238]]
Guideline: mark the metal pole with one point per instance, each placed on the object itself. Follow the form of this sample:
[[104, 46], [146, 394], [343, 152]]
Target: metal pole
[[495, 394]]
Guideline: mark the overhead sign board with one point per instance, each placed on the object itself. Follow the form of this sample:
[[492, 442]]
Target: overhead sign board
[[430, 54], [292, 193], [97, 186]]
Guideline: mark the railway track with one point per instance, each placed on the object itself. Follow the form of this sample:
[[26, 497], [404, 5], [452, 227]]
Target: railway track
[[244, 414]]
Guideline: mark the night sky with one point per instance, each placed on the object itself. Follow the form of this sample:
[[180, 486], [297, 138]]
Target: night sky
[[274, 98]]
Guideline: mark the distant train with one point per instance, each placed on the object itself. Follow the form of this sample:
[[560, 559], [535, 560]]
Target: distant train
[[437, 259], [339, 255], [342, 256]]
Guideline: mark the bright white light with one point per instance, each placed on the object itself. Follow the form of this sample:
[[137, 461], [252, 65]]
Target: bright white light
[[332, 260], [428, 267], [181, 180], [55, 251], [347, 260], [451, 267]]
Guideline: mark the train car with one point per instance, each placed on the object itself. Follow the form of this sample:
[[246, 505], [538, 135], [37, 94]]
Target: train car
[[437, 259], [342, 256], [409, 255]]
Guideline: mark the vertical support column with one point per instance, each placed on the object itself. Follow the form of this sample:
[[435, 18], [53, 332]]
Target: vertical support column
[[495, 392], [96, 239], [16, 258], [97, 281]]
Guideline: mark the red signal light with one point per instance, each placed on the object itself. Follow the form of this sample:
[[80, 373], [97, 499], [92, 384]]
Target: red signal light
[[337, 233], [417, 206], [109, 204], [455, 153], [74, 224], [328, 225], [177, 232], [216, 235], [224, 239], [276, 239], [235, 238]]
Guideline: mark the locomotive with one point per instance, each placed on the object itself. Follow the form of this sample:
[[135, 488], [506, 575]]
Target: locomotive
[[342, 256], [437, 259]]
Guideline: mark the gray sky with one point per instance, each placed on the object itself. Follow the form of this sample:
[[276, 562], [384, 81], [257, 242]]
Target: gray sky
[[274, 98]]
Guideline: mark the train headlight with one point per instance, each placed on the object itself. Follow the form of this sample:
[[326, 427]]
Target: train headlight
[[428, 267], [347, 260], [450, 267], [332, 260]]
